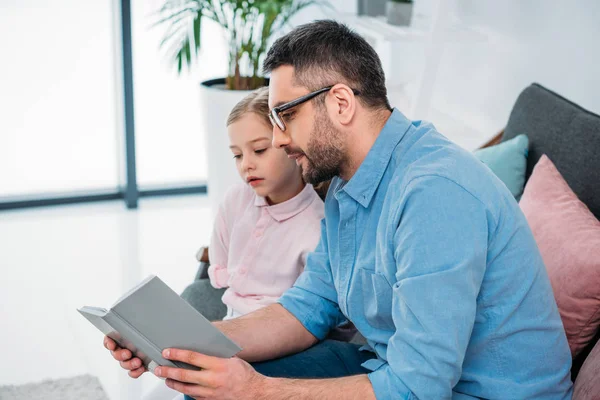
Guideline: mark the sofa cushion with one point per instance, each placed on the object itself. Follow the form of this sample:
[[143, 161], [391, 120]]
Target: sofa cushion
[[508, 161], [587, 384], [568, 236], [567, 133], [206, 299]]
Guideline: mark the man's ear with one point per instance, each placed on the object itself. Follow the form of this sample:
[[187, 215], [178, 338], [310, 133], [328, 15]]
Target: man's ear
[[344, 103]]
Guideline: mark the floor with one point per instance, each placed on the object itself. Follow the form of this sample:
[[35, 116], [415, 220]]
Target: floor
[[54, 260]]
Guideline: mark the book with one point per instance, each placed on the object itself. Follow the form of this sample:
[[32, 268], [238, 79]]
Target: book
[[152, 317]]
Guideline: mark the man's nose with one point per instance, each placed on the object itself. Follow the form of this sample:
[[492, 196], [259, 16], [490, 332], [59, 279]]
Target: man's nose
[[280, 138]]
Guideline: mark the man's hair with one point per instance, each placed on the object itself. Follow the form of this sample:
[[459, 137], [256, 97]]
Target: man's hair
[[256, 102], [325, 53]]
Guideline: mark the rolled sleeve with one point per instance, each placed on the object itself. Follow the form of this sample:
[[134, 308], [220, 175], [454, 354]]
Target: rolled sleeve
[[387, 385], [440, 251], [219, 276], [313, 311], [313, 298]]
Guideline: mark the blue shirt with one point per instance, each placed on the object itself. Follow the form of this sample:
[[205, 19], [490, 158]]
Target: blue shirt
[[429, 255]]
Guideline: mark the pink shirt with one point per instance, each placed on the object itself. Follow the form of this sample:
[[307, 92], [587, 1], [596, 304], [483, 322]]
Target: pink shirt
[[257, 251]]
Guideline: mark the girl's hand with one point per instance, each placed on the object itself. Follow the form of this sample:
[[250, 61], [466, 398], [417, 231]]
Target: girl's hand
[[220, 378]]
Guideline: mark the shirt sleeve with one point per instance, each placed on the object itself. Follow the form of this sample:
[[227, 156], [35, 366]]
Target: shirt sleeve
[[313, 298], [219, 248], [440, 251]]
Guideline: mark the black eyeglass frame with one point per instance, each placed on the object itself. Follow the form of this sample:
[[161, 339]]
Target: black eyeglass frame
[[276, 119]]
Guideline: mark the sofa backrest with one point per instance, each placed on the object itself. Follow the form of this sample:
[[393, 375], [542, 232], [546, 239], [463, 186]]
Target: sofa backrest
[[568, 134]]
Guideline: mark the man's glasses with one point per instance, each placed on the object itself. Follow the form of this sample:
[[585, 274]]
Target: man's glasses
[[275, 113]]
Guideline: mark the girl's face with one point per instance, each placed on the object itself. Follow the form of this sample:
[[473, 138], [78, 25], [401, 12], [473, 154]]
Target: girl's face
[[266, 169]]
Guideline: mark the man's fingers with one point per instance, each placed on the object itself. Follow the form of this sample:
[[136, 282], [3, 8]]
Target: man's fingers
[[136, 373], [198, 392], [132, 364], [178, 374], [121, 354], [204, 377], [109, 343], [191, 357], [117, 352]]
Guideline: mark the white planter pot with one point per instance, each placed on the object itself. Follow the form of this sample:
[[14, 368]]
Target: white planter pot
[[399, 13], [216, 104]]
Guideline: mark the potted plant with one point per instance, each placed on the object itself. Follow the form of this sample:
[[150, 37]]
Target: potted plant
[[399, 12], [248, 26]]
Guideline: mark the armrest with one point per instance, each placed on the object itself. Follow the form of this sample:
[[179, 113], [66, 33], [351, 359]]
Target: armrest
[[493, 141], [202, 257]]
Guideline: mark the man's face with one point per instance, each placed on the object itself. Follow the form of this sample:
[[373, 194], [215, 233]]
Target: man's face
[[310, 136]]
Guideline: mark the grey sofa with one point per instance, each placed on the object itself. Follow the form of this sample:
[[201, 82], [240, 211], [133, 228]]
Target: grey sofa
[[570, 136], [201, 295]]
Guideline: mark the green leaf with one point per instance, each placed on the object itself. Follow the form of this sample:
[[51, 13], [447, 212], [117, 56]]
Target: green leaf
[[197, 31], [179, 62], [249, 24], [188, 53]]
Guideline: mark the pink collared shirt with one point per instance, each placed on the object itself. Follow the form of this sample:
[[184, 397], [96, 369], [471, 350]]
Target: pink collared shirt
[[257, 251]]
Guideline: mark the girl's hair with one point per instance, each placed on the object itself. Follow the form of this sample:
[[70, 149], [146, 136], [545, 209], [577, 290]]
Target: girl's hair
[[256, 102]]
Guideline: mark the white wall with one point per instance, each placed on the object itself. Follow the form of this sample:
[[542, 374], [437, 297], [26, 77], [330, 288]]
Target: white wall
[[490, 51], [552, 42]]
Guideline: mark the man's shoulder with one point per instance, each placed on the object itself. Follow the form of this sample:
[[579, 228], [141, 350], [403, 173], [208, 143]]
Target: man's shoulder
[[432, 160]]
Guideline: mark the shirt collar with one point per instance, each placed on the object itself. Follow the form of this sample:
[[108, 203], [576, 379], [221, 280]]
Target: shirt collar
[[362, 186], [289, 208]]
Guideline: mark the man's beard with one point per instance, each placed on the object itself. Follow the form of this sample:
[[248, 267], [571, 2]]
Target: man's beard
[[325, 153]]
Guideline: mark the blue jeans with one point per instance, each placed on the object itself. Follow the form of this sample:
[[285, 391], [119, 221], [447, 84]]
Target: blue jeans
[[326, 359]]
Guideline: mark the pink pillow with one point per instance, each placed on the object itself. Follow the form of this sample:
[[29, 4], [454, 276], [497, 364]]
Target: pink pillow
[[587, 384], [568, 236]]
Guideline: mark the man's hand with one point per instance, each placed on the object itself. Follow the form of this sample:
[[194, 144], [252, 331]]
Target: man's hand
[[133, 365], [220, 378]]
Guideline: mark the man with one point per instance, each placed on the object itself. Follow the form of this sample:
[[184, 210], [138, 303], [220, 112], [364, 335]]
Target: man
[[422, 248]]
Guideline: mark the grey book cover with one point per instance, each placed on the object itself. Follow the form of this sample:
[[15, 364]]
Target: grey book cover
[[152, 317]]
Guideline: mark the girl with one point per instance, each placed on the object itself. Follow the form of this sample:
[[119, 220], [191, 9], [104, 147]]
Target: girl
[[265, 226]]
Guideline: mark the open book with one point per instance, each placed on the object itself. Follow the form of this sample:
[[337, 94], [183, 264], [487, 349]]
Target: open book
[[152, 317]]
